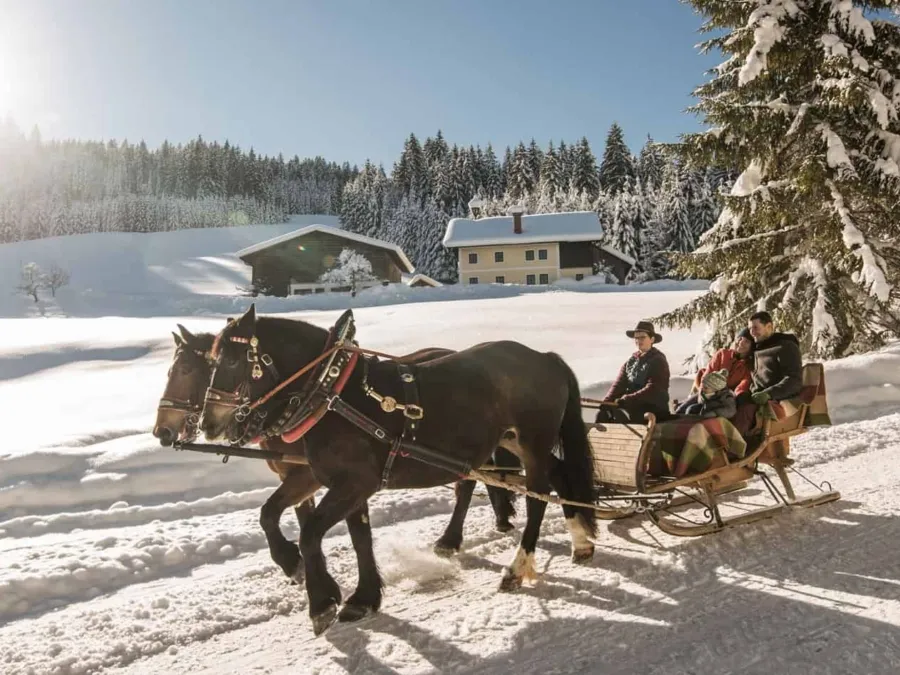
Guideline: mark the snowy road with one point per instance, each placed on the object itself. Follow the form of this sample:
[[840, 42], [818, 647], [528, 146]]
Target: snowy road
[[119, 556]]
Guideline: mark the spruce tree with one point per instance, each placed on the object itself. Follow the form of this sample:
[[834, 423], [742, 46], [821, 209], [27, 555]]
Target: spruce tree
[[651, 164], [617, 166], [584, 171], [520, 178], [806, 108]]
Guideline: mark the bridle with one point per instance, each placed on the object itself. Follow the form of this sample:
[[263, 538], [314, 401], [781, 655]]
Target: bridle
[[333, 367], [189, 410]]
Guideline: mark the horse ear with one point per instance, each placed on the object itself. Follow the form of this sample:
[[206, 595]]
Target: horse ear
[[178, 340], [246, 324], [185, 333], [249, 316]]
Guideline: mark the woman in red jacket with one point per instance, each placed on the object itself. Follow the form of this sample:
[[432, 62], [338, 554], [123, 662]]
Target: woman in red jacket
[[738, 361]]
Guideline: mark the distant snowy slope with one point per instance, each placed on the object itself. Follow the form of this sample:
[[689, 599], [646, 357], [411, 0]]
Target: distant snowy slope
[[182, 262]]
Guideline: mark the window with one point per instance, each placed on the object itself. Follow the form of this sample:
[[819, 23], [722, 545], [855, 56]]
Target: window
[[579, 277], [473, 258], [500, 280], [542, 254], [473, 280], [498, 256], [529, 255], [545, 278], [529, 279]]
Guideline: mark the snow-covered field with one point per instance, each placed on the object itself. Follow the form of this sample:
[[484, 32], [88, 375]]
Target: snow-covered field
[[119, 555]]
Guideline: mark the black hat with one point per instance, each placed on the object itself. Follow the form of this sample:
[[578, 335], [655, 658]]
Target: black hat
[[745, 333], [647, 327]]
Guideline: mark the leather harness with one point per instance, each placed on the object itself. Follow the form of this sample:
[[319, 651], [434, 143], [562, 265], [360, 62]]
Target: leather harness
[[321, 393]]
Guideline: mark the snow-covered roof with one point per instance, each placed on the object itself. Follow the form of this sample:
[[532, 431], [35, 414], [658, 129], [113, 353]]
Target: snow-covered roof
[[337, 232], [624, 257], [536, 228], [423, 278]]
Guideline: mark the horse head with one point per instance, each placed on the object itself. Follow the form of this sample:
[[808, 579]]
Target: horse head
[[178, 414], [251, 354]]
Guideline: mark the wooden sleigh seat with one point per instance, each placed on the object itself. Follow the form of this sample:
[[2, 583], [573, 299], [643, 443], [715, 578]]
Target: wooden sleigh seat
[[622, 460]]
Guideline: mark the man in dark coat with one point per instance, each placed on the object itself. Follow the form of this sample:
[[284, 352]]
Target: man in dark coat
[[642, 385], [777, 370]]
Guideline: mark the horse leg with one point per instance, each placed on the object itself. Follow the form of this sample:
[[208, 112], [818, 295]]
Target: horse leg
[[324, 593], [536, 480], [582, 546], [451, 541], [302, 512], [366, 599], [297, 486], [503, 500]]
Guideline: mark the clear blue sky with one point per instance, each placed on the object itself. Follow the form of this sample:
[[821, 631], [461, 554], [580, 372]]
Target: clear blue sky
[[350, 79]]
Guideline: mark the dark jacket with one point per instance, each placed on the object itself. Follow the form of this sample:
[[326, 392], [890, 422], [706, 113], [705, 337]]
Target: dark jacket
[[720, 404], [778, 367], [642, 381]]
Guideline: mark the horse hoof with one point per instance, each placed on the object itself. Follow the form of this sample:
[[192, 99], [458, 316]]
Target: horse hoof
[[583, 556], [351, 613], [510, 583], [445, 551], [324, 619], [504, 526]]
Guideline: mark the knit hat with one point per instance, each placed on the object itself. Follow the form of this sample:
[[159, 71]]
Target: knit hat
[[714, 380], [745, 333]]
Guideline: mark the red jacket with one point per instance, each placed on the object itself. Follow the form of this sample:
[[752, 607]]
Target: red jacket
[[738, 370]]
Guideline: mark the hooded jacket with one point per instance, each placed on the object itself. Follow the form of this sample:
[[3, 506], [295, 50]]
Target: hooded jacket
[[778, 367]]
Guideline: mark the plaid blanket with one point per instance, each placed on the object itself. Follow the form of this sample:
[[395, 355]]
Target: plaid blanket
[[812, 394], [688, 445]]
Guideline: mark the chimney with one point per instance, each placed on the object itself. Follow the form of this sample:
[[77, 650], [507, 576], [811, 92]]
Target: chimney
[[516, 212]]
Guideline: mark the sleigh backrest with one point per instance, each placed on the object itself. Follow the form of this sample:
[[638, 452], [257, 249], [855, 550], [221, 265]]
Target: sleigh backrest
[[617, 450]]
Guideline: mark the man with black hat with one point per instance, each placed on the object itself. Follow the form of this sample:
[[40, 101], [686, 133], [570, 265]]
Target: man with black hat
[[642, 385]]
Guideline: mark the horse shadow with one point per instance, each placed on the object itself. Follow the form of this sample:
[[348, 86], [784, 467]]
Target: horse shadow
[[816, 590]]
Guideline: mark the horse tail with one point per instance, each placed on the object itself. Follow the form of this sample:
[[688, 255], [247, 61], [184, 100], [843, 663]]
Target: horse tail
[[577, 466]]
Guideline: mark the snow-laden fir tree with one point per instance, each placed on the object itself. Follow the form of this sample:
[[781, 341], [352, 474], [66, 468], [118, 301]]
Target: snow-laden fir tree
[[617, 166], [520, 177], [651, 164], [584, 170], [806, 107]]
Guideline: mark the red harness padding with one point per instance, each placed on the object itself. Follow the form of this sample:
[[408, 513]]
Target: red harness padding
[[295, 434]]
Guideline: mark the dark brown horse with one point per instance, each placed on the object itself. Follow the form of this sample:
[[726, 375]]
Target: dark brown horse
[[177, 418], [493, 394]]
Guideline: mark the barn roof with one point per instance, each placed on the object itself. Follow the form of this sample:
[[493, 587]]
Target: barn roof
[[403, 262]]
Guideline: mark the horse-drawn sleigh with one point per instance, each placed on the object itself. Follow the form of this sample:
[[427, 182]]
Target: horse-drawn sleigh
[[438, 416]]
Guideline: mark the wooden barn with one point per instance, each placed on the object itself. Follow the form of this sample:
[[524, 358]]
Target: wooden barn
[[293, 263]]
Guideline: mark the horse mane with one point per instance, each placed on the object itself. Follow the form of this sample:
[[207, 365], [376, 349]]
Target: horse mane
[[271, 326]]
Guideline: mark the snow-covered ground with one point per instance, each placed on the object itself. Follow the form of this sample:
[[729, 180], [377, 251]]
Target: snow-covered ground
[[119, 555]]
